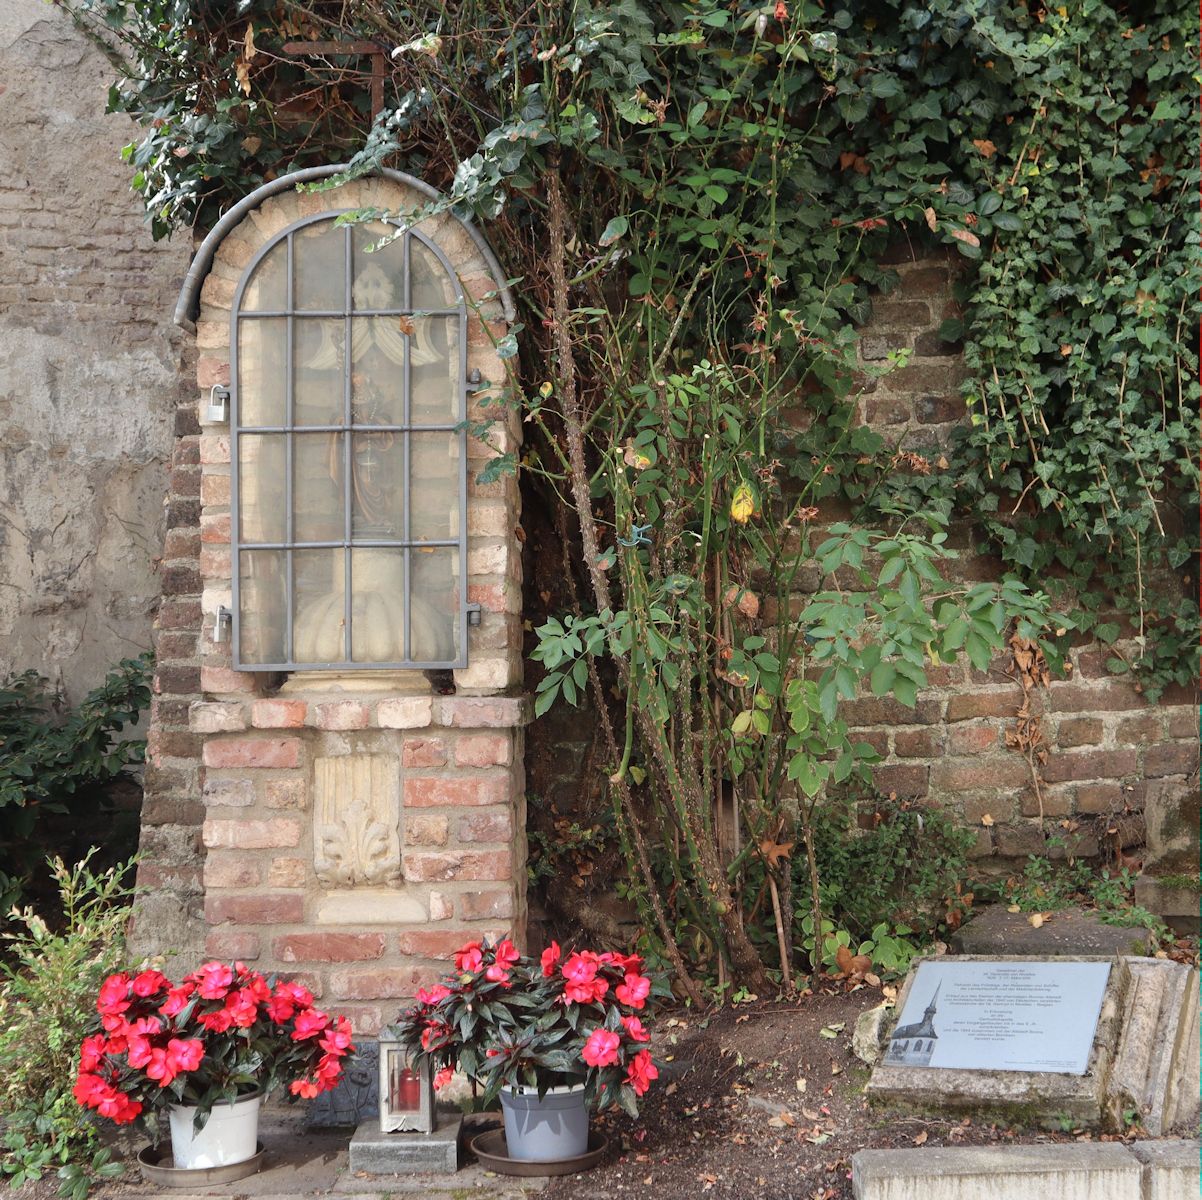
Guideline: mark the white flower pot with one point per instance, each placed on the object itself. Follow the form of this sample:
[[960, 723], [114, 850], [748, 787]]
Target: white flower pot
[[231, 1134]]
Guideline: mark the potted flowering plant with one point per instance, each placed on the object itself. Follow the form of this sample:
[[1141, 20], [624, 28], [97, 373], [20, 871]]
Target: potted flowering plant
[[552, 1037], [207, 1051]]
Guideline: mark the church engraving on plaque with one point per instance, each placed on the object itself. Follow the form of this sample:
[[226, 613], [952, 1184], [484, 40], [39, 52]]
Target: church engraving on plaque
[[356, 831], [1000, 1016]]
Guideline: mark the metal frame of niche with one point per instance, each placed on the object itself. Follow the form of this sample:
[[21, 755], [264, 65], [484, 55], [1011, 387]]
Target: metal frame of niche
[[347, 428]]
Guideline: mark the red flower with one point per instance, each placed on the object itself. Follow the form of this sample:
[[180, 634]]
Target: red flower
[[628, 964], [92, 1052], [337, 1039], [781, 13], [215, 980], [280, 1009], [583, 984], [304, 1087], [114, 995], [641, 1071], [119, 1108], [89, 1089], [300, 995], [504, 957], [220, 1021], [443, 1078], [601, 1049], [309, 1023], [177, 1000], [241, 1006], [469, 958], [634, 1027], [186, 1053], [549, 959], [434, 995], [149, 982], [634, 991]]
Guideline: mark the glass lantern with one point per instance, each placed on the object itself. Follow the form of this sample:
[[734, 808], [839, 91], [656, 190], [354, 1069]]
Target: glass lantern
[[406, 1092]]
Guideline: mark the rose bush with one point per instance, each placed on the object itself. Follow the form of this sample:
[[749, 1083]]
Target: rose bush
[[507, 1020], [223, 1032]]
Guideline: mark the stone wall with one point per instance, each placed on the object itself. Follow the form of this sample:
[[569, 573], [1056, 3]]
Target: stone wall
[[89, 363]]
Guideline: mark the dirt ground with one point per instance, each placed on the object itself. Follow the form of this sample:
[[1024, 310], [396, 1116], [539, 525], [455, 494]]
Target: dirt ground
[[767, 1105]]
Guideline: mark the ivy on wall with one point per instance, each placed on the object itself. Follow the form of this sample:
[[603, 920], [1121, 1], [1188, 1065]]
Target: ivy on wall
[[1051, 146]]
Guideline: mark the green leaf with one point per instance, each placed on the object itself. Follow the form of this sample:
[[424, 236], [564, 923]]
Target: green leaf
[[617, 227]]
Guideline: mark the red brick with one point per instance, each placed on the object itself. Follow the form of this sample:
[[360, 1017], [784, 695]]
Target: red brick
[[436, 868], [216, 717], [214, 489], [181, 543], [258, 909], [472, 712], [484, 750], [974, 773], [997, 808], [212, 372], [288, 873], [378, 984], [179, 614], [882, 710], [1057, 802], [1107, 697], [252, 835], [215, 561], [424, 752], [1089, 764], [495, 905], [229, 945], [486, 826], [434, 791], [1172, 758], [278, 714], [215, 529], [878, 739], [285, 793], [252, 753], [220, 680], [901, 780], [231, 871], [983, 704], [341, 714], [972, 739], [366, 1021], [313, 980], [1079, 731], [1183, 723], [435, 943], [1099, 798], [177, 681], [1139, 731], [329, 947], [916, 743], [1017, 841], [427, 829]]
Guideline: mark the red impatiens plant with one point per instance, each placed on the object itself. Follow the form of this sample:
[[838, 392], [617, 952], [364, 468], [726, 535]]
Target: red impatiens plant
[[506, 1020], [224, 1032]]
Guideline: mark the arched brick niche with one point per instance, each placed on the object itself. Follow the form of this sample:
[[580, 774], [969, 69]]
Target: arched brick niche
[[355, 826]]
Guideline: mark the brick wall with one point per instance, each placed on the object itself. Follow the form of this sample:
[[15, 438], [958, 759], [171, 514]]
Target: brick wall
[[341, 829]]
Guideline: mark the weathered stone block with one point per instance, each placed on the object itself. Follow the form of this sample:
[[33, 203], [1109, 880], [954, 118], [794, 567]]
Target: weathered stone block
[[377, 1153]]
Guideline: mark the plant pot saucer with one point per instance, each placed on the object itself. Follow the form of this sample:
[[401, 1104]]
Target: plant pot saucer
[[159, 1167], [493, 1153]]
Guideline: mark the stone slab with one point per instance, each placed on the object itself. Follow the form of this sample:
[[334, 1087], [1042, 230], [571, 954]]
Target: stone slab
[[1029, 1097], [1076, 1171], [1177, 906], [1170, 1169], [377, 1153], [1067, 934]]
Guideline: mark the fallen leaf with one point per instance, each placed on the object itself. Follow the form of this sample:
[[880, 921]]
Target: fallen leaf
[[405, 325], [921, 1138], [832, 1031], [987, 820], [932, 220], [1013, 908], [985, 147], [1035, 920], [965, 236], [836, 1069], [801, 1085]]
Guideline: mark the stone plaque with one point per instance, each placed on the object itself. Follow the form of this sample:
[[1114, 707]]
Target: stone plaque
[[357, 817], [1000, 1016]]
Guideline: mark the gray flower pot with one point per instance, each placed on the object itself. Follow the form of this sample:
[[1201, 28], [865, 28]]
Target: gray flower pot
[[547, 1129]]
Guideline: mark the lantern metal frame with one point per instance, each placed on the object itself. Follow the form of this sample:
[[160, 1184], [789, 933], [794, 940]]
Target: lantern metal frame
[[348, 427], [393, 1120]]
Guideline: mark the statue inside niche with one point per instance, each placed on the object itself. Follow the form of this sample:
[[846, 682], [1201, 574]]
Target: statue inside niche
[[377, 606]]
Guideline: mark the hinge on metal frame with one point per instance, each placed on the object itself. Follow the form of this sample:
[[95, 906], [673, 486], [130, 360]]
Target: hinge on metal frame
[[223, 626], [218, 409], [473, 614], [475, 381]]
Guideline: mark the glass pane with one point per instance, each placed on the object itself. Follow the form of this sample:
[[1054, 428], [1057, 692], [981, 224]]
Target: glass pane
[[319, 267], [318, 585], [430, 285], [378, 618], [262, 371], [379, 274], [319, 383], [262, 603], [377, 378], [377, 485], [404, 1085], [436, 383], [261, 487], [267, 288], [317, 492], [433, 486], [434, 631]]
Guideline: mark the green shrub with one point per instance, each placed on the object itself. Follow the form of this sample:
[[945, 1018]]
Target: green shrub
[[47, 998], [56, 762]]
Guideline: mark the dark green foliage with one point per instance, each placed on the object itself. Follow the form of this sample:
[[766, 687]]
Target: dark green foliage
[[56, 762]]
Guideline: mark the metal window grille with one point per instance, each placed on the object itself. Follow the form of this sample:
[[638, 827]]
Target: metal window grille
[[254, 560]]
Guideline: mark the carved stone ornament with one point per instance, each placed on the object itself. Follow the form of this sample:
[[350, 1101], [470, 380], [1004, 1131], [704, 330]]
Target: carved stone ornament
[[356, 832]]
